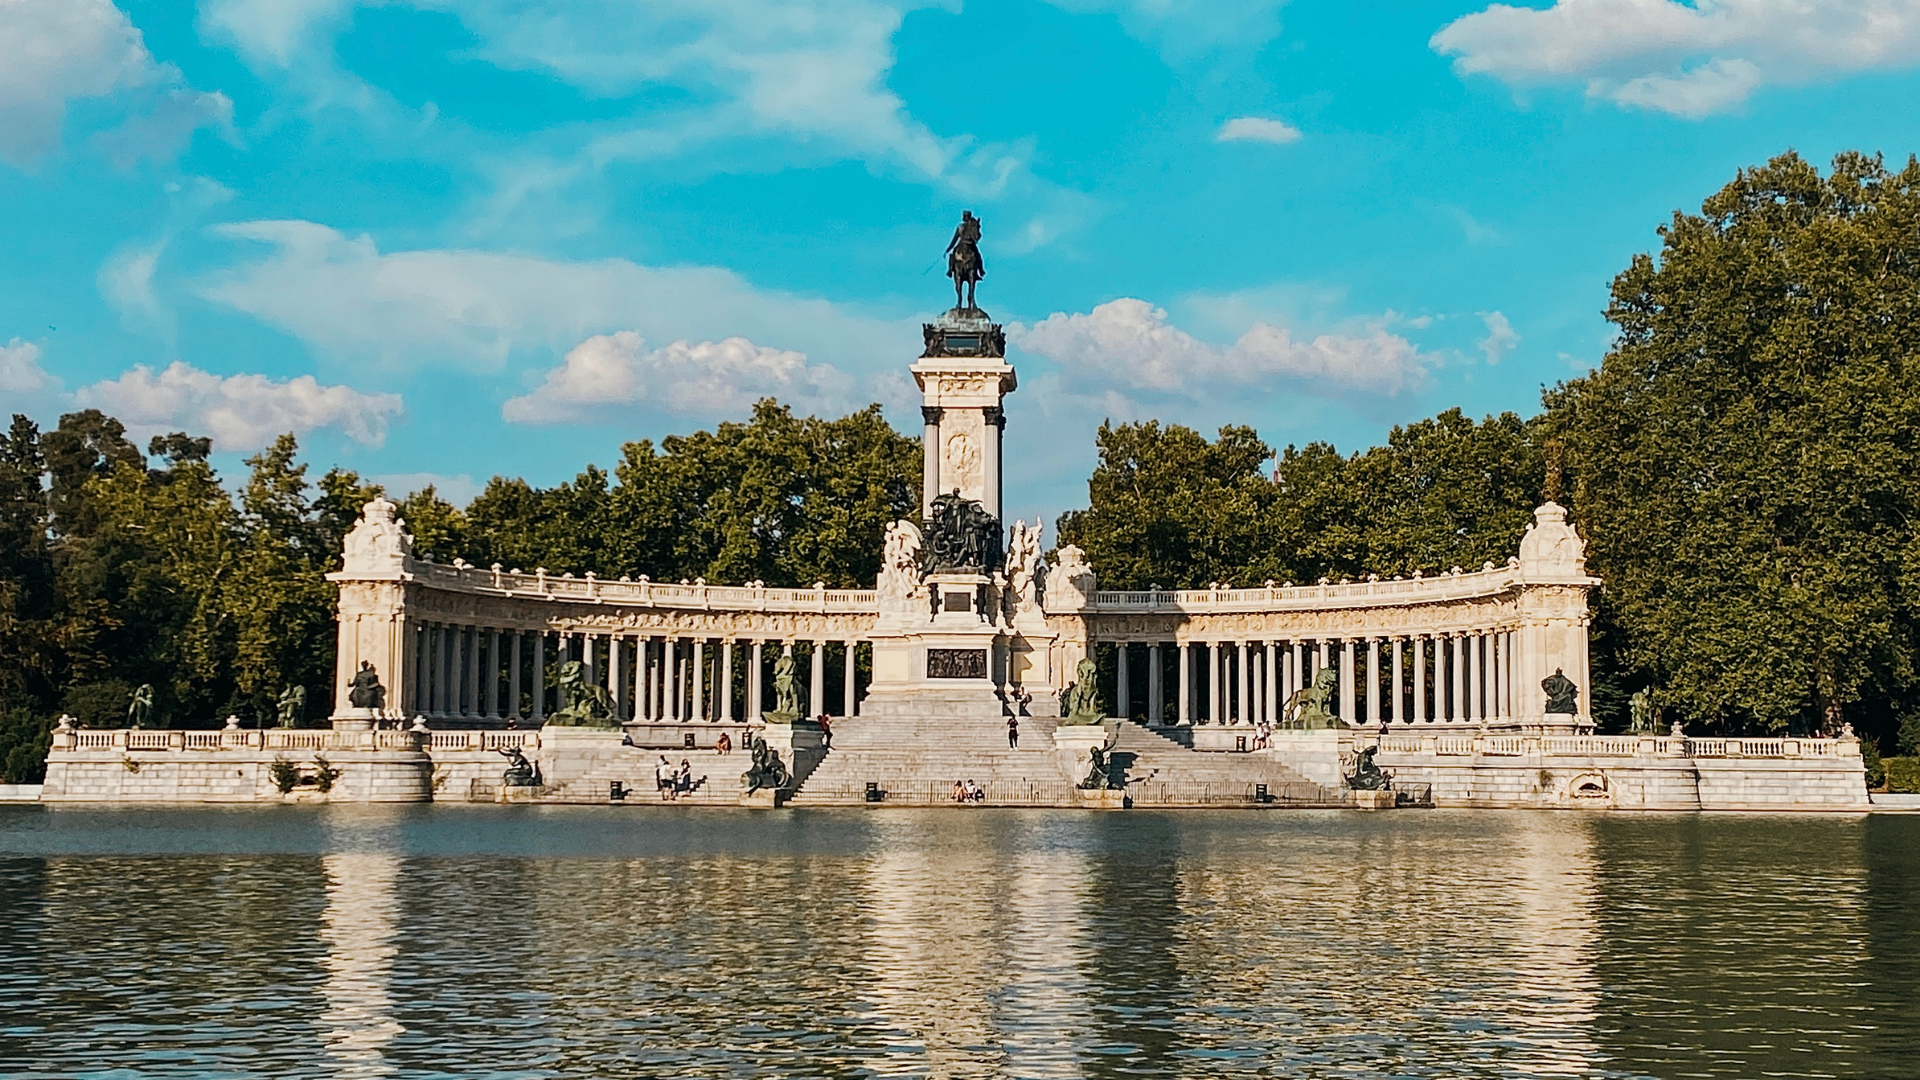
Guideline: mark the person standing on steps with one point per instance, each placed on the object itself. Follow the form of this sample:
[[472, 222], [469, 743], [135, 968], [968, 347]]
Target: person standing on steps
[[1013, 732], [826, 733]]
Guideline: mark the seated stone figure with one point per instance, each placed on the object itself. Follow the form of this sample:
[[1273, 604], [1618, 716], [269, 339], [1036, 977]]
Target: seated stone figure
[[519, 772], [1367, 776], [767, 772]]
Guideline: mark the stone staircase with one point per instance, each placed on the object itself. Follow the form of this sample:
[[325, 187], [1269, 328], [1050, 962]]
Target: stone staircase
[[1163, 772], [916, 760], [578, 774]]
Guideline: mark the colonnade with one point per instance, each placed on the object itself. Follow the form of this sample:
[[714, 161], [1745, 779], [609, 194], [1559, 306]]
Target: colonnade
[[506, 673], [1462, 677]]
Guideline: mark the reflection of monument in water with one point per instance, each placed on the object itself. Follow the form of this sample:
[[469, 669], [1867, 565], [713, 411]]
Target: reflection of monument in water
[[975, 960], [359, 927]]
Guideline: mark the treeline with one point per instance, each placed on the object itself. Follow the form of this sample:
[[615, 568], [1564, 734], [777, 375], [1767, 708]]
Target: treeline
[[1745, 465], [120, 567]]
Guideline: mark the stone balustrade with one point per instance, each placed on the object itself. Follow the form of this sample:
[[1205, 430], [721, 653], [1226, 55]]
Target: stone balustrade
[[268, 739], [691, 596], [1606, 746], [1373, 592]]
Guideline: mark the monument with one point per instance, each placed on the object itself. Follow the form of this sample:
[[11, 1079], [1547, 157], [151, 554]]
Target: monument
[[944, 641]]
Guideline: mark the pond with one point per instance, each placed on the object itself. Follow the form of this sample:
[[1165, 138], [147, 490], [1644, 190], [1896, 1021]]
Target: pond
[[524, 942]]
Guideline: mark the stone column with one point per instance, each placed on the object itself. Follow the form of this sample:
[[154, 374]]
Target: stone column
[[420, 697], [930, 458], [646, 681], [1156, 692], [539, 676], [1348, 704], [990, 475], [490, 677], [1213, 682], [1183, 706], [464, 683], [1242, 686], [726, 680], [755, 684], [1273, 683], [1373, 681], [1297, 671], [616, 683], [1122, 700], [513, 675], [1456, 679], [670, 677], [1476, 674], [1419, 679], [697, 672], [817, 680], [1399, 681], [850, 662]]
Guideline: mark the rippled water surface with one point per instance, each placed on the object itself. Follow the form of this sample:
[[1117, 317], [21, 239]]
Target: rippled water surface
[[493, 942]]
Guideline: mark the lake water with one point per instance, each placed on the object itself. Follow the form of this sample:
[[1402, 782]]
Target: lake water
[[525, 942]]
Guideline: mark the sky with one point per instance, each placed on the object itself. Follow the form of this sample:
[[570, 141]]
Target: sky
[[442, 240]]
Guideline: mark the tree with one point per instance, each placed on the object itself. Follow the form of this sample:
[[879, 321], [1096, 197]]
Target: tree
[[1745, 460], [1168, 508]]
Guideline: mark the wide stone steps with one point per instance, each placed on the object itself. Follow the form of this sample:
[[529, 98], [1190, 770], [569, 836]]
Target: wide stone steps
[[916, 761], [1163, 772], [587, 777]]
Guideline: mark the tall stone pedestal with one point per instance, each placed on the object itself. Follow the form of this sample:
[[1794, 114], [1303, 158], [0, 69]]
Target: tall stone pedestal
[[950, 661]]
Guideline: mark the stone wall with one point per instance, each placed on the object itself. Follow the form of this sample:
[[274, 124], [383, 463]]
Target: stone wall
[[1627, 772]]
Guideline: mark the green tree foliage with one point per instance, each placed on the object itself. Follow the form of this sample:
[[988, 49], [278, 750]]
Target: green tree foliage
[[781, 499], [1744, 461], [1170, 508]]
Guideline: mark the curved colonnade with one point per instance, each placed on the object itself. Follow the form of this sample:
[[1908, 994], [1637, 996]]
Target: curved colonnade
[[470, 646]]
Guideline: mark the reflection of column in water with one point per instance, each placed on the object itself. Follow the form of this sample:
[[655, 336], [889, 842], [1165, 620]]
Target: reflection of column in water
[[1132, 893], [1554, 939], [1042, 1012], [931, 917], [358, 929], [974, 945]]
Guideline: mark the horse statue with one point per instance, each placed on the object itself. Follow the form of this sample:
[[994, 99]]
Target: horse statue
[[964, 264], [1307, 708]]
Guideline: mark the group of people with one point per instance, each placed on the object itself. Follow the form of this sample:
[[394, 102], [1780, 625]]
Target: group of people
[[965, 791], [1262, 735], [674, 781]]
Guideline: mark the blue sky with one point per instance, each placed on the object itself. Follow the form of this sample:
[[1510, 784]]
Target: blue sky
[[447, 240]]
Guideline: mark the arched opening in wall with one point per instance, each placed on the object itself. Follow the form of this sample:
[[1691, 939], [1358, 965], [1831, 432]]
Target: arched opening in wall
[[1589, 786]]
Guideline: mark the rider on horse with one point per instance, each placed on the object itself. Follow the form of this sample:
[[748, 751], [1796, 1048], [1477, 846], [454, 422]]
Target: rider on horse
[[964, 264]]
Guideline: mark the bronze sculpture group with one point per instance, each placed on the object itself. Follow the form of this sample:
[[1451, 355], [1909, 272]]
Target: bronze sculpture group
[[582, 704]]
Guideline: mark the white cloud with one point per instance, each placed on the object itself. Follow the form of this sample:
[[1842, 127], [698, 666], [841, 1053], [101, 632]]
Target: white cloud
[[1257, 129], [240, 412], [20, 370], [1192, 29], [473, 309], [1132, 342], [711, 378], [1501, 337], [1690, 60], [126, 281], [812, 71], [56, 51]]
